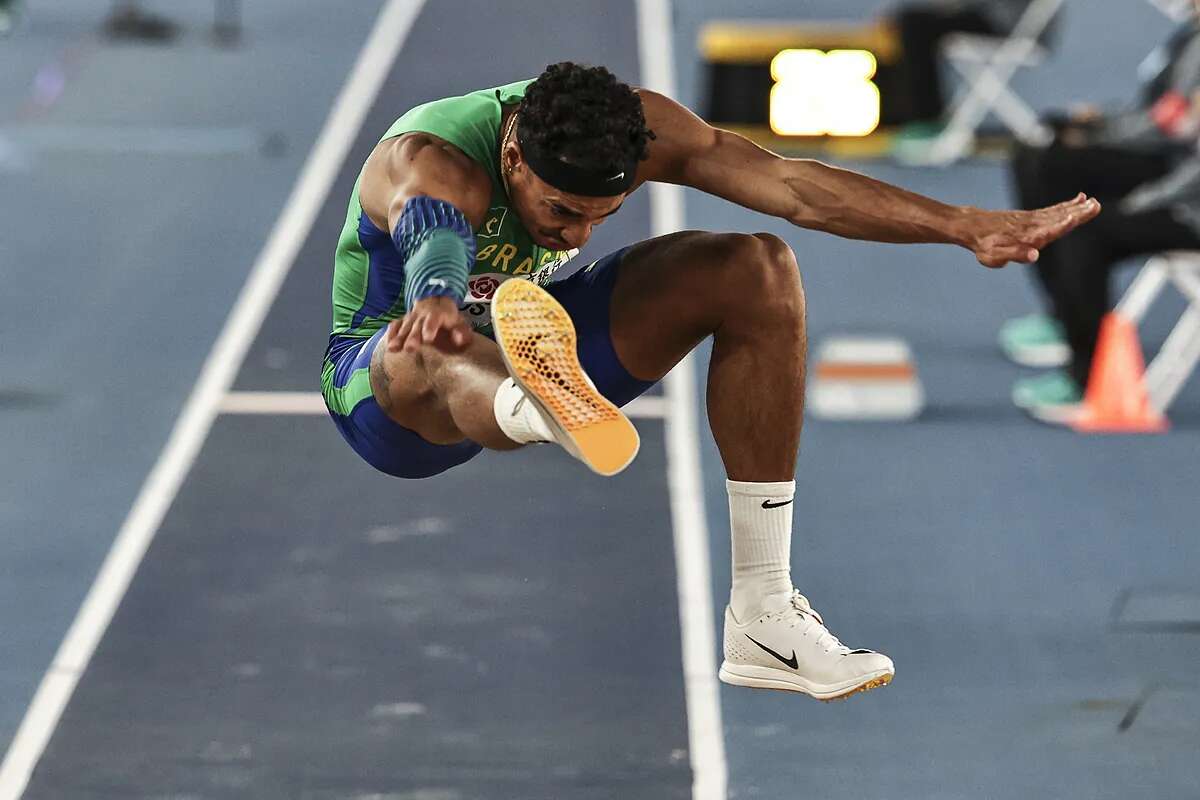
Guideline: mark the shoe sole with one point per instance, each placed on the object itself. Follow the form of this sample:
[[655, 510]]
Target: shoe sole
[[1060, 414], [1049, 413], [537, 342], [767, 678]]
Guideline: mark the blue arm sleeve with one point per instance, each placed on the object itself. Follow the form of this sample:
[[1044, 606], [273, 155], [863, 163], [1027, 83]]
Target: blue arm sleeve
[[437, 245]]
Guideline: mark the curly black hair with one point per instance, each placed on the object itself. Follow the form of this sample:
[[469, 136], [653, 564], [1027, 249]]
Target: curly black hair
[[585, 117]]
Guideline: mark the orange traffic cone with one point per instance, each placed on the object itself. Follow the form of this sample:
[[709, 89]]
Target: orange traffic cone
[[1116, 400]]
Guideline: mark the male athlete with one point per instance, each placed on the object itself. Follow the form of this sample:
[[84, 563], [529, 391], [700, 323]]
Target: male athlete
[[436, 354]]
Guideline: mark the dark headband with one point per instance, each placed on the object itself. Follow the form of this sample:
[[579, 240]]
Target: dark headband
[[574, 179]]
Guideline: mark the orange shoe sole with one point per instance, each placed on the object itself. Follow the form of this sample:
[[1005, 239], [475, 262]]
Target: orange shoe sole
[[537, 341]]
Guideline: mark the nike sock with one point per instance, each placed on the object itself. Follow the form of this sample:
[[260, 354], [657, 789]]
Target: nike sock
[[518, 416], [760, 523]]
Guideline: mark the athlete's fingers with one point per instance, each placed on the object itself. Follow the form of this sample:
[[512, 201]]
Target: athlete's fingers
[[1020, 235], [1090, 209], [1084, 206], [415, 337], [452, 333], [1054, 230], [427, 328], [1056, 224], [1081, 215], [402, 329], [1080, 210], [1001, 254], [1078, 199], [394, 339], [1051, 216], [430, 326], [460, 334]]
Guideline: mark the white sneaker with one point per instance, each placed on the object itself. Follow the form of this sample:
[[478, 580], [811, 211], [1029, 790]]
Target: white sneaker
[[790, 648]]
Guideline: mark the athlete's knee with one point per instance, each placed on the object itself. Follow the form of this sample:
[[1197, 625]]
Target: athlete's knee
[[440, 368], [430, 361], [400, 380], [777, 255], [770, 277]]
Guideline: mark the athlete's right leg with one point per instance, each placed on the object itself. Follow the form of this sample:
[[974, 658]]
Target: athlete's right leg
[[445, 398], [481, 396]]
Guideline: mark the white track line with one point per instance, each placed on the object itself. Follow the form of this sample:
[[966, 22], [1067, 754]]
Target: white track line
[[286, 403], [706, 736], [283, 403], [191, 429], [135, 139]]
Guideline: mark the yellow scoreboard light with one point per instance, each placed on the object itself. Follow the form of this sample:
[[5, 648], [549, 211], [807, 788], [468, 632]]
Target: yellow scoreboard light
[[804, 81], [819, 93]]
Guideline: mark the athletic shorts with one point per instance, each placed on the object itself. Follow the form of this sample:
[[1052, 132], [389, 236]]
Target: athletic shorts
[[396, 450]]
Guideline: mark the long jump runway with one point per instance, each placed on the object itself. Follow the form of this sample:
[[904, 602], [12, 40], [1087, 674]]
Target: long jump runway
[[302, 627]]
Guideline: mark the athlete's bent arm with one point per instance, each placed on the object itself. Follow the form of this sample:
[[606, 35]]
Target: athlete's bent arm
[[412, 167], [690, 152]]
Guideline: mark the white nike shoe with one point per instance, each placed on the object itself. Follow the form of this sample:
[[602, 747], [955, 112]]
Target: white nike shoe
[[790, 648]]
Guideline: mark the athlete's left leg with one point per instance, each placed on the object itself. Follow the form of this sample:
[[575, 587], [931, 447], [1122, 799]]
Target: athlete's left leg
[[744, 291]]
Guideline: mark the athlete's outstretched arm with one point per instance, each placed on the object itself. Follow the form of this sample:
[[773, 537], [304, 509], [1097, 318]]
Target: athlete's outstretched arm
[[690, 152]]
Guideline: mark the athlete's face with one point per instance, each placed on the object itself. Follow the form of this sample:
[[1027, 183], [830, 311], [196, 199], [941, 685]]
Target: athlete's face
[[554, 218]]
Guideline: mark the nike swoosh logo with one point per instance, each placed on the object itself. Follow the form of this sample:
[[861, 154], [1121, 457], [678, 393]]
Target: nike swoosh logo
[[520, 404], [791, 662], [769, 504], [617, 177]]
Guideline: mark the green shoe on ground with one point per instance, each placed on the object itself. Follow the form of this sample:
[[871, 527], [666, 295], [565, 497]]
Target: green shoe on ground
[[913, 143], [1035, 340], [8, 16], [920, 131], [1054, 398]]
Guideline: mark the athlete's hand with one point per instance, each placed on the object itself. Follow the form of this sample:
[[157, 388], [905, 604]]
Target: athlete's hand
[[435, 321], [998, 237]]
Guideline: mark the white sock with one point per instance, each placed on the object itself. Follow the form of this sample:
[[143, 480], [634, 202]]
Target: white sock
[[518, 416], [760, 523]]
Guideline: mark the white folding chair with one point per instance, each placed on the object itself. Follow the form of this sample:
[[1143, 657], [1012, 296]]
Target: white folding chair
[[1175, 10], [987, 64], [1179, 354]]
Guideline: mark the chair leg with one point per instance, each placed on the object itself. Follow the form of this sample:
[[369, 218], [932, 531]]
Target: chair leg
[[1187, 281], [1144, 290], [986, 82], [993, 76], [1175, 361], [958, 136], [1016, 114], [1007, 105]]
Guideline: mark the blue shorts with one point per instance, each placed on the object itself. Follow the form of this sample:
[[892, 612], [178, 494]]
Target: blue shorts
[[396, 450]]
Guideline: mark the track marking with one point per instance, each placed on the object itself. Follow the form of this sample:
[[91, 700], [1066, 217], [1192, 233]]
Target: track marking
[[274, 403], [192, 427], [137, 140], [287, 403], [706, 736]]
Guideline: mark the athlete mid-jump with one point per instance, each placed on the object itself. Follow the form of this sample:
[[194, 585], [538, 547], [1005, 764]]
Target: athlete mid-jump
[[436, 355]]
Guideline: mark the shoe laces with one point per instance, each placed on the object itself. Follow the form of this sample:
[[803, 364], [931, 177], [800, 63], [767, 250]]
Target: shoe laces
[[800, 613]]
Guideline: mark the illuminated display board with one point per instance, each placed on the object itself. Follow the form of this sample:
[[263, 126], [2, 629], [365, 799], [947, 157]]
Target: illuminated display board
[[823, 94], [803, 79]]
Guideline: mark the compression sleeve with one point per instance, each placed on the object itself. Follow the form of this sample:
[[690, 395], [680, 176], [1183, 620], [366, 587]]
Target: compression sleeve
[[437, 245]]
